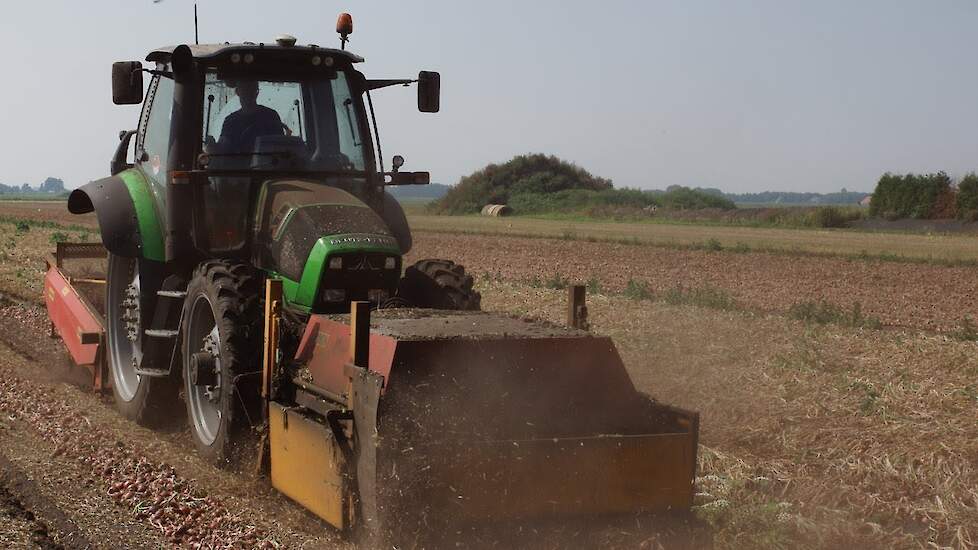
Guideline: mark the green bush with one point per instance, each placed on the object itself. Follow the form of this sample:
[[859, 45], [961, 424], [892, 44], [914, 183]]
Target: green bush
[[594, 286], [830, 216], [557, 282], [583, 201], [539, 184], [683, 198], [496, 183], [638, 290], [824, 313], [713, 245]]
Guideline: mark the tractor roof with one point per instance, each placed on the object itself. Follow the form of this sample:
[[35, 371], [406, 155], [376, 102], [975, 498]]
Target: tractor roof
[[209, 51]]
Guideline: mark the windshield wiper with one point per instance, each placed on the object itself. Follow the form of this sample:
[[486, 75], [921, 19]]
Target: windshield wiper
[[349, 119]]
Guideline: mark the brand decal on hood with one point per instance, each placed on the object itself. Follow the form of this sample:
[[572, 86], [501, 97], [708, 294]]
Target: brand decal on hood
[[363, 239]]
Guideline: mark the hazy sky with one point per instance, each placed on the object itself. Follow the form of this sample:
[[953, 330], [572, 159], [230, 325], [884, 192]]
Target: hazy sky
[[743, 96]]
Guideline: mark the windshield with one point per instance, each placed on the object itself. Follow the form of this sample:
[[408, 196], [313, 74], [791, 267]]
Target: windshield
[[309, 123]]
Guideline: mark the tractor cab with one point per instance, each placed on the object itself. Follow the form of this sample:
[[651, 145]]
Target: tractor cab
[[265, 153]]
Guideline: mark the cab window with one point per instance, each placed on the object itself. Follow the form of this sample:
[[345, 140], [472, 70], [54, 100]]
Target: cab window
[[155, 134]]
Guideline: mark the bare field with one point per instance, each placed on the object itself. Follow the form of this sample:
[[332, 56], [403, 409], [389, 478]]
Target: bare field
[[940, 248], [815, 436], [44, 211], [812, 437], [900, 294]]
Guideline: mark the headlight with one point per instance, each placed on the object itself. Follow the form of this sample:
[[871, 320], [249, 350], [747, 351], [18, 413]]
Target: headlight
[[336, 263], [390, 262]]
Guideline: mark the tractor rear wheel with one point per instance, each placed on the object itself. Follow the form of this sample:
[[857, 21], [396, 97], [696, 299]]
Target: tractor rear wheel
[[221, 341], [146, 400], [439, 284]]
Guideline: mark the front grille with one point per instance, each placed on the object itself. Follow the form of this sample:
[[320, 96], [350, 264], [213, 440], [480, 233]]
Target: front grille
[[360, 274]]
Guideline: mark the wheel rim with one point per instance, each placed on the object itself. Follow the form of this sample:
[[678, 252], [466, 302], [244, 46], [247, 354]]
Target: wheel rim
[[205, 401], [124, 329]]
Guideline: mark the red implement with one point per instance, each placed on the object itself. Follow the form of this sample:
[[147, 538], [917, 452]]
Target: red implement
[[75, 319]]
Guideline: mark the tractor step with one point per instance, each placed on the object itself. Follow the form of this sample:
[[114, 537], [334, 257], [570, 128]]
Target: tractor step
[[161, 333], [153, 373], [181, 294]]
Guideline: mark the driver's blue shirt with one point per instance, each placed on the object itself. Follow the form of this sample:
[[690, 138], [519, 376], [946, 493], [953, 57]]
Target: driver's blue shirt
[[241, 129]]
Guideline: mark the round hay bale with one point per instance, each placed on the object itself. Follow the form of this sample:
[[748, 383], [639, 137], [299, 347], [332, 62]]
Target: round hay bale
[[496, 210]]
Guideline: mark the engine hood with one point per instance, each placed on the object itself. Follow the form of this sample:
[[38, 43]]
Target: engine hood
[[302, 225]]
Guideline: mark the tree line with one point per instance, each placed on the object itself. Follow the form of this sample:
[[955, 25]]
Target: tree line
[[49, 185], [933, 196]]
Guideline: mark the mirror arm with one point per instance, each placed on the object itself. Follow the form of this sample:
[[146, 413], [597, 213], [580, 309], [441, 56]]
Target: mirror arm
[[154, 72], [378, 84]]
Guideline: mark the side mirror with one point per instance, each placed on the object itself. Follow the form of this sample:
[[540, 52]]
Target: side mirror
[[127, 83], [429, 92]]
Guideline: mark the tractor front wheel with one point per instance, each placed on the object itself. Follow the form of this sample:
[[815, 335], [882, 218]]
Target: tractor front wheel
[[439, 284], [221, 338]]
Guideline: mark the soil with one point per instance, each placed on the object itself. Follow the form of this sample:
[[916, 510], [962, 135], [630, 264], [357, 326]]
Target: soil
[[47, 211], [104, 482], [99, 476], [426, 324], [899, 294]]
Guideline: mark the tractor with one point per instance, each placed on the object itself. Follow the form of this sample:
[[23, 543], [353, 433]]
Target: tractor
[[255, 278]]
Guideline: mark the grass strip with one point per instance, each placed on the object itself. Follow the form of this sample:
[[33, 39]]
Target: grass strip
[[713, 245]]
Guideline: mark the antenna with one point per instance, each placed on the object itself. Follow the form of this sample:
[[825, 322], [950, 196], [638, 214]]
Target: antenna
[[196, 36]]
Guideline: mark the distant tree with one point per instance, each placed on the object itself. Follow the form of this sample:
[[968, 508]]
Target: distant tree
[[967, 199], [26, 188], [920, 196], [52, 185], [683, 198]]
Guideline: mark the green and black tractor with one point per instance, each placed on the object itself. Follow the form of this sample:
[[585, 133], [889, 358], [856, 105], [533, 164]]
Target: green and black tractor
[[249, 161]]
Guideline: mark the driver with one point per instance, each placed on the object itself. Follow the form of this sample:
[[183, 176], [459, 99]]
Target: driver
[[242, 127]]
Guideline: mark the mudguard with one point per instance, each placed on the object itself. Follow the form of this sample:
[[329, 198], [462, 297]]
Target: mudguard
[[393, 216], [126, 211]]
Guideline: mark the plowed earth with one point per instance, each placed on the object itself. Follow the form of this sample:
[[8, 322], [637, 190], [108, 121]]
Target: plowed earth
[[73, 474], [101, 482], [900, 294], [812, 436]]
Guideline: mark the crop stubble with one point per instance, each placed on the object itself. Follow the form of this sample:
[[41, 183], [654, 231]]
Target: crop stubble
[[826, 437], [901, 294]]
